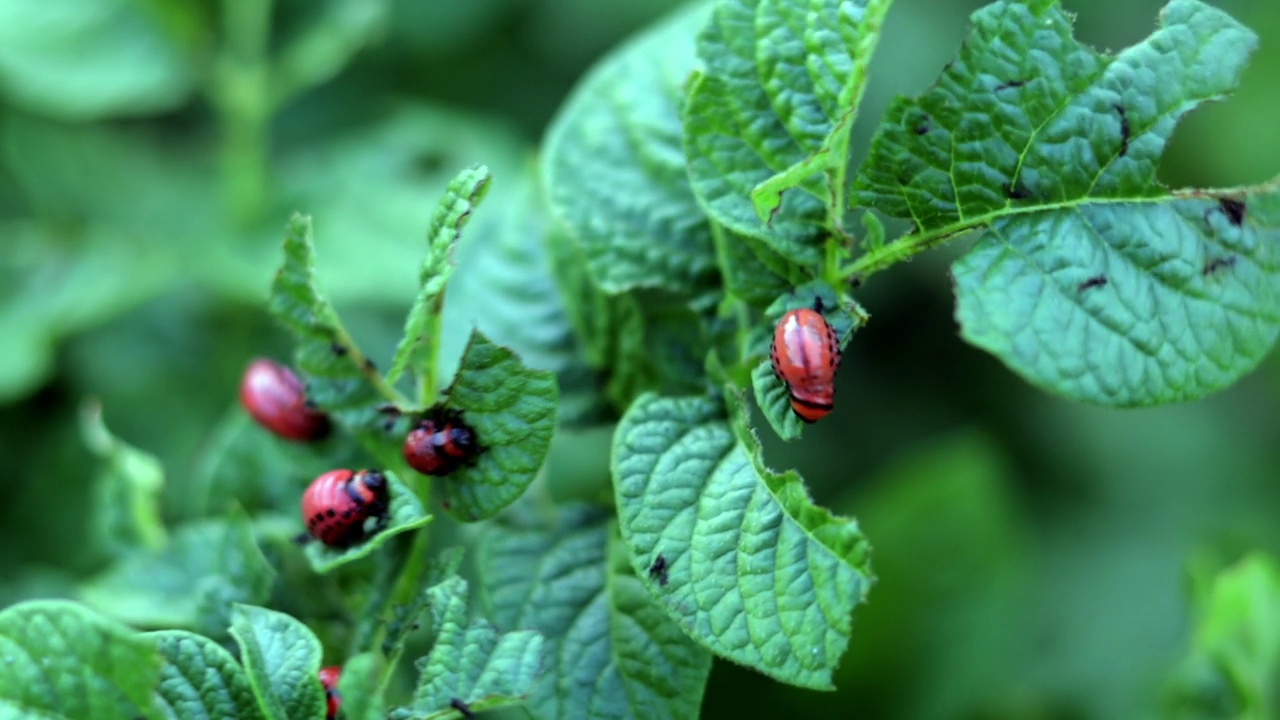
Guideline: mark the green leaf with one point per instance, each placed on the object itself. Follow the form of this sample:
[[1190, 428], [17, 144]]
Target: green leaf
[[404, 514], [282, 659], [404, 618], [127, 489], [200, 679], [612, 651], [340, 379], [62, 661], [615, 171], [752, 270], [471, 662], [772, 112], [360, 687], [1091, 280], [756, 573], [513, 412], [460, 199], [90, 59], [1234, 658], [191, 582], [845, 316]]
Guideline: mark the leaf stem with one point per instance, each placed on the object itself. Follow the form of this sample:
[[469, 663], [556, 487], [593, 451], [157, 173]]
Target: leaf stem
[[428, 383]]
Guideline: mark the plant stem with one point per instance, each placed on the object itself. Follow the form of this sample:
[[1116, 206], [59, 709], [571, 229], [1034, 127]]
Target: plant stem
[[240, 93], [427, 383]]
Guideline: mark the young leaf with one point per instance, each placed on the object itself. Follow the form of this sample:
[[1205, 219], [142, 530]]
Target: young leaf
[[405, 514], [192, 582], [61, 660], [461, 197], [200, 680], [615, 171], [772, 113], [1091, 280], [754, 571], [471, 663], [612, 651], [513, 412], [91, 59], [1234, 657], [282, 659], [127, 510], [404, 618], [773, 395], [340, 379]]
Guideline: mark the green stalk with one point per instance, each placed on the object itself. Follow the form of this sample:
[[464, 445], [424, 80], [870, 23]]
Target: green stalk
[[241, 95]]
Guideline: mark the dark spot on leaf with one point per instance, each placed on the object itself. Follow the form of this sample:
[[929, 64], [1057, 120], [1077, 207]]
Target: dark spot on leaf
[[302, 538], [923, 127], [776, 209], [368, 365], [446, 504], [338, 349], [1221, 263], [855, 282], [1016, 191], [658, 570], [461, 707], [1234, 210], [1096, 281], [1125, 130], [1010, 85]]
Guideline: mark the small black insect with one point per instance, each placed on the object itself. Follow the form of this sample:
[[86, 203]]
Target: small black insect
[[338, 349], [462, 707], [1221, 263], [1233, 209], [1010, 85], [658, 570], [1125, 130], [1016, 191], [1093, 282]]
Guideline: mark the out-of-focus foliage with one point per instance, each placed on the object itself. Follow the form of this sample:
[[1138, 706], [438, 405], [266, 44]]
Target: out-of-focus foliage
[[1030, 553]]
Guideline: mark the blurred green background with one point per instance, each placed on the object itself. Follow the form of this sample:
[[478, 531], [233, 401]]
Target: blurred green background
[[1033, 555]]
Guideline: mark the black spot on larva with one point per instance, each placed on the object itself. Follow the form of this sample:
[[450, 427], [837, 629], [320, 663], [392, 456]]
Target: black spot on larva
[[462, 707], [1011, 85], [330, 512], [658, 570], [1217, 264], [1096, 281], [1234, 210], [1125, 130], [1016, 191]]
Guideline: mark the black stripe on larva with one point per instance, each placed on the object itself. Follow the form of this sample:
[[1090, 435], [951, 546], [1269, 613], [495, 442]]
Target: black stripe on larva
[[812, 404]]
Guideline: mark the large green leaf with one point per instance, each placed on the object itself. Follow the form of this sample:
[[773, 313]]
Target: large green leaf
[[767, 122], [613, 653], [512, 409], [200, 680], [90, 59], [1092, 280], [62, 661], [738, 555], [615, 170], [282, 659], [471, 663]]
